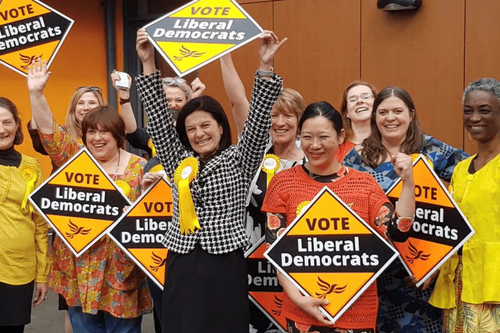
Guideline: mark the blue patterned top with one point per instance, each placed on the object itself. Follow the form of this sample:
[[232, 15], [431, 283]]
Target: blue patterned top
[[402, 309]]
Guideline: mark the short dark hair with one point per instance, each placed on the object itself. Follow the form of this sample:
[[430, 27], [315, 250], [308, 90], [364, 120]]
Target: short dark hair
[[210, 105], [107, 118], [11, 107], [324, 109]]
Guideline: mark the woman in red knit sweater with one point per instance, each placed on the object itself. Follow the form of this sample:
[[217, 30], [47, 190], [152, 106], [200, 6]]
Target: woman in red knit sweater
[[321, 134]]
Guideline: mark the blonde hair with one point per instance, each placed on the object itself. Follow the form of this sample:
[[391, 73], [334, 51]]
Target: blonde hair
[[290, 100], [72, 125], [180, 83]]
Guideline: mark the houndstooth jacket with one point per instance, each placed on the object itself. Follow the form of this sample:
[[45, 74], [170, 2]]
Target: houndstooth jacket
[[220, 189]]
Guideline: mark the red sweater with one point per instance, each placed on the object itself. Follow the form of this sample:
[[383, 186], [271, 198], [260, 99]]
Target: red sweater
[[291, 187]]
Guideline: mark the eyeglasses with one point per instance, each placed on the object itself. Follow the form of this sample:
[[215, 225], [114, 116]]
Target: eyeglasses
[[365, 96], [174, 81], [91, 88]]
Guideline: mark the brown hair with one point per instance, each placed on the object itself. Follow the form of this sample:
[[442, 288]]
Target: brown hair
[[11, 107], [343, 104], [72, 125], [373, 151], [107, 118]]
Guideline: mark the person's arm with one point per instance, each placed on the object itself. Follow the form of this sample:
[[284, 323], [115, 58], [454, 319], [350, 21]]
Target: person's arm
[[447, 158], [127, 112], [235, 90], [255, 135], [35, 138], [41, 248], [38, 76], [169, 148]]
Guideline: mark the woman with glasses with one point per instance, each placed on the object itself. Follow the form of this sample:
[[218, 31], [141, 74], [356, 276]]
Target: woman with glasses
[[117, 295], [206, 281], [395, 129], [356, 109], [24, 261]]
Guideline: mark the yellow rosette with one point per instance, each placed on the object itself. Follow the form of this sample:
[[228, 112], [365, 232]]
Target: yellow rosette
[[415, 156], [28, 174], [152, 147], [301, 206], [270, 166], [123, 186], [157, 168], [185, 173]]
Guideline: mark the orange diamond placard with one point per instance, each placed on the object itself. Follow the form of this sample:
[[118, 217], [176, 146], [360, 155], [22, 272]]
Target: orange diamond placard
[[201, 32], [29, 29], [79, 205], [140, 231], [440, 228], [329, 252], [264, 290]]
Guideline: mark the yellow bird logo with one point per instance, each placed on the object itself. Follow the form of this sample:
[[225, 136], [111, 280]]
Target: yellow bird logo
[[159, 261], [186, 53], [328, 289], [279, 305], [76, 230], [27, 60], [416, 254]]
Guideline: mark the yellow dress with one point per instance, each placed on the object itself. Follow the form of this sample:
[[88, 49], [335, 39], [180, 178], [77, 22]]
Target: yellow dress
[[468, 287]]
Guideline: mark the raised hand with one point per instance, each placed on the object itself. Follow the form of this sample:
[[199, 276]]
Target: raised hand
[[38, 76], [269, 45], [403, 166], [197, 87], [145, 51]]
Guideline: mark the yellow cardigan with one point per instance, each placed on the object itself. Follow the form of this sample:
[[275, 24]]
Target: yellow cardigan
[[23, 232], [478, 196]]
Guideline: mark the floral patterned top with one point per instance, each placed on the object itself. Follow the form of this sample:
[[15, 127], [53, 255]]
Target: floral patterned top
[[103, 278], [59, 145], [402, 309]]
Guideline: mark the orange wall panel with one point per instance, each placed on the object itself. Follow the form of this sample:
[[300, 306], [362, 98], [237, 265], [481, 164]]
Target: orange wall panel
[[322, 54], [423, 52], [482, 45], [81, 60]]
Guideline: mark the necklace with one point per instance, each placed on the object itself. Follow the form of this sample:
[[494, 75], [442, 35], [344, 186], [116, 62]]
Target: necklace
[[117, 165]]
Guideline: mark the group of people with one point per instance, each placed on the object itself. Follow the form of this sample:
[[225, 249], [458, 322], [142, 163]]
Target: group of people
[[358, 153]]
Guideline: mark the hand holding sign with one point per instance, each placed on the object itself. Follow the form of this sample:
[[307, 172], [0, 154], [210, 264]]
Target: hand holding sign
[[270, 44], [306, 303], [145, 51]]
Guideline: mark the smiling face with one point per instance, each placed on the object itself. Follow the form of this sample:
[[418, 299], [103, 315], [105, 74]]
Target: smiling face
[[482, 115], [359, 103], [284, 126], [101, 143], [320, 142], [8, 129], [393, 119], [176, 98], [204, 133], [87, 102]]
